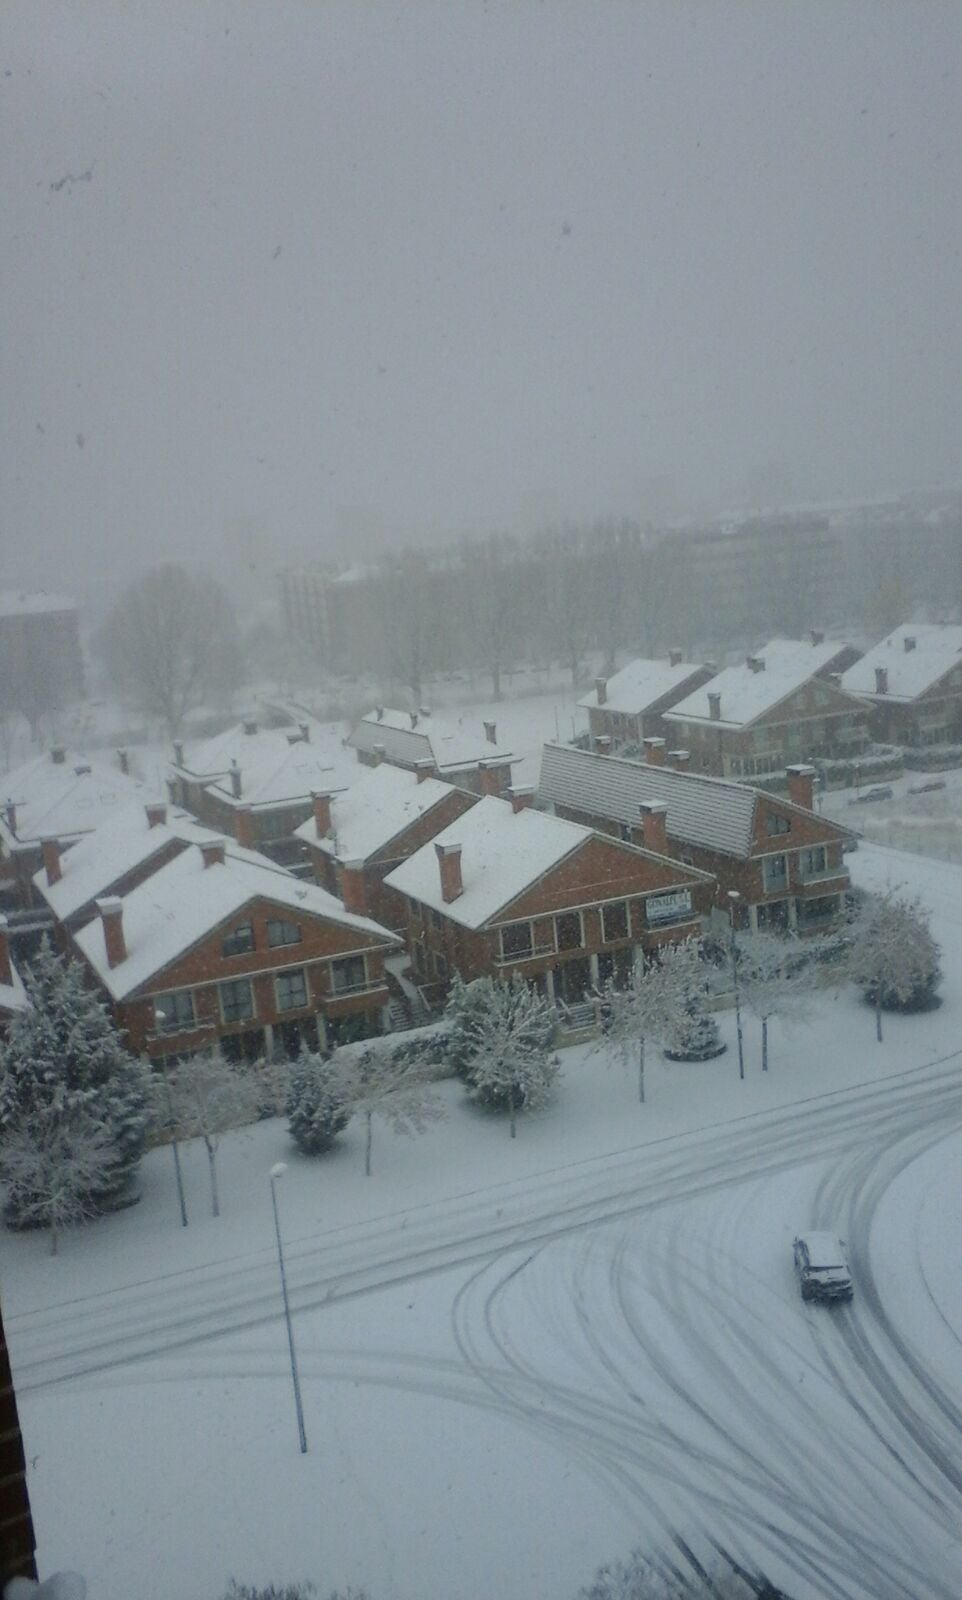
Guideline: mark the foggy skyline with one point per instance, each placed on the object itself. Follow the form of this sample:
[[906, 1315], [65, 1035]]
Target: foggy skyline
[[287, 280]]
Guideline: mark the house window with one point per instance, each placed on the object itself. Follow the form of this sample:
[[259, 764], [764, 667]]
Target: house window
[[281, 932], [236, 1000], [775, 824], [348, 974], [440, 968], [568, 930], [516, 942], [437, 921], [614, 921], [775, 872], [173, 1013], [239, 940], [813, 860], [291, 989]]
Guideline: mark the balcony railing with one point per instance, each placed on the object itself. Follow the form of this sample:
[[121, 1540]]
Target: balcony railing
[[545, 948]]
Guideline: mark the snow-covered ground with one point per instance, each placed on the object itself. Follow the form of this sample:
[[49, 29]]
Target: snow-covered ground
[[918, 817], [521, 1358]]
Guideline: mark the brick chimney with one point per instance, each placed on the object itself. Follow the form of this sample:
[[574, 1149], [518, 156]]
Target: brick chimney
[[423, 770], [51, 859], [58, 755], [156, 814], [654, 826], [379, 751], [755, 663], [414, 718], [10, 812], [491, 732], [679, 759], [601, 690], [801, 786], [817, 636], [6, 969], [603, 744], [250, 726], [123, 760], [353, 887], [112, 918], [521, 799], [881, 680], [213, 852], [654, 751], [179, 752], [244, 826], [449, 862], [235, 779], [714, 705], [305, 731], [675, 658], [908, 643], [322, 814], [491, 777], [379, 713]]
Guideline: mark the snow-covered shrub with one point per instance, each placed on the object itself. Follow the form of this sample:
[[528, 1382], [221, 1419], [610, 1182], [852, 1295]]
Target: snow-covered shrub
[[643, 1578], [318, 1105], [505, 1034], [466, 1006], [62, 1066], [893, 957]]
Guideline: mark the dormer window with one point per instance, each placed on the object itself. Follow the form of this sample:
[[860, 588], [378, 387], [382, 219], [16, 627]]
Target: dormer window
[[239, 941]]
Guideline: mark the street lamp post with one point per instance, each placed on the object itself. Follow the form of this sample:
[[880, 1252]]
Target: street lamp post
[[733, 899], [278, 1171]]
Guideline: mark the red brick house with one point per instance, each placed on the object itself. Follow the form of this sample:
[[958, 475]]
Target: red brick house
[[61, 795], [782, 705], [213, 949], [256, 783], [135, 843], [459, 752], [628, 707], [782, 859], [912, 682], [356, 838], [507, 889]]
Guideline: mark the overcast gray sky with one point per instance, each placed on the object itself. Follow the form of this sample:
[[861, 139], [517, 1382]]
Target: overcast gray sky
[[361, 271]]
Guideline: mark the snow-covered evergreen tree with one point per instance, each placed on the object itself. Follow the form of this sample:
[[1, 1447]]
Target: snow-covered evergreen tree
[[507, 1032], [63, 1056], [466, 1006], [318, 1106], [771, 980], [387, 1084], [209, 1095], [893, 957]]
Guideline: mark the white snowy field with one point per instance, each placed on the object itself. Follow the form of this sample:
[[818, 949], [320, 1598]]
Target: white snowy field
[[522, 1358]]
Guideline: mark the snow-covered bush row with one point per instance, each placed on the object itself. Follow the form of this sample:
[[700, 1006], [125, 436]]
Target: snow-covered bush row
[[933, 757]]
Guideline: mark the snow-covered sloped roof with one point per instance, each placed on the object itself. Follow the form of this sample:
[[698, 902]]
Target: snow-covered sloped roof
[[14, 603], [640, 685], [171, 911], [381, 804], [911, 668], [451, 743], [101, 858], [748, 692], [276, 764], [63, 798], [503, 852], [13, 995], [711, 812]]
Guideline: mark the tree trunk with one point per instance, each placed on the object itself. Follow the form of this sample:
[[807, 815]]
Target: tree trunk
[[53, 1235], [496, 680], [878, 1012], [212, 1163], [369, 1135], [180, 1181], [641, 1069], [511, 1110], [764, 1044]]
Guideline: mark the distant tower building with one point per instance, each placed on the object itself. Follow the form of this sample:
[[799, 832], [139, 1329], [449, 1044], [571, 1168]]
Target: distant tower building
[[41, 668]]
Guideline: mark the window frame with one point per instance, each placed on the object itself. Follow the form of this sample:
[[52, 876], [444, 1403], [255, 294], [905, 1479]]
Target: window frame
[[349, 988], [180, 1024], [559, 917], [234, 983], [287, 976], [609, 909], [243, 950], [283, 923], [516, 955]]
